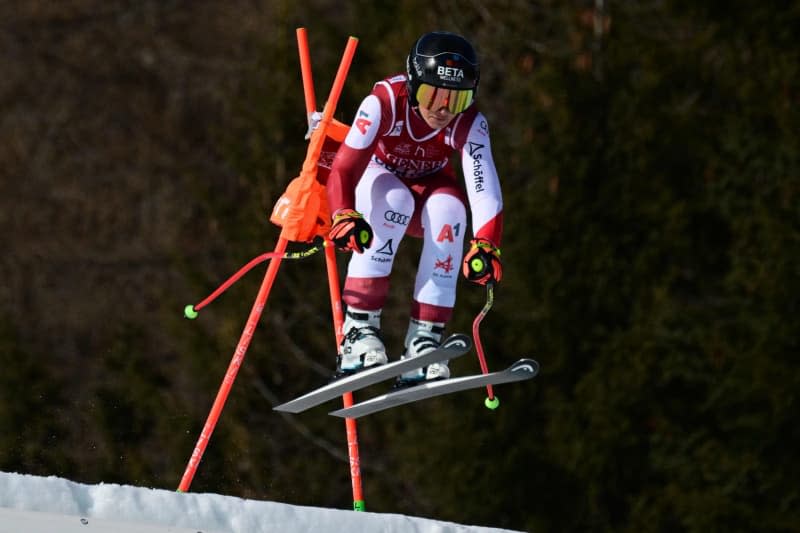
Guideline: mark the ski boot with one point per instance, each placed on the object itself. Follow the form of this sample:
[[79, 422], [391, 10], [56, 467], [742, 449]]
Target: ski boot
[[422, 337], [361, 346]]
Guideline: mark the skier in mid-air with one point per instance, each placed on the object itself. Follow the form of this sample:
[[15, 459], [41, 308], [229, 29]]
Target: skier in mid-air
[[392, 176]]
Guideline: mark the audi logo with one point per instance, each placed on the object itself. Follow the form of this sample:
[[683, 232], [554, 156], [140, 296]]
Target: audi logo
[[397, 218]]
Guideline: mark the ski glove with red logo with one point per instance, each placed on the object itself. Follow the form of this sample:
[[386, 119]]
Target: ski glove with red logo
[[482, 262], [350, 232]]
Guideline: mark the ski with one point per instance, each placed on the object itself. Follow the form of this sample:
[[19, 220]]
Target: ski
[[454, 346], [519, 371]]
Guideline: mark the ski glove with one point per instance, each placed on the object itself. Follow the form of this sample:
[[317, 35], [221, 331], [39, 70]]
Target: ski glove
[[482, 262], [350, 232]]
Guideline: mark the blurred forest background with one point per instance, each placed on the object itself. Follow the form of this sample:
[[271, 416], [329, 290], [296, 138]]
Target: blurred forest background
[[649, 153]]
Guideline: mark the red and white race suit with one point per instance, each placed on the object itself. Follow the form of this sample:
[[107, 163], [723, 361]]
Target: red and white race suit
[[397, 171]]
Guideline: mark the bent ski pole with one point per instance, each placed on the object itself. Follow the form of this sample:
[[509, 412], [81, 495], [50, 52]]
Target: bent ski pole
[[191, 311], [492, 401], [233, 367]]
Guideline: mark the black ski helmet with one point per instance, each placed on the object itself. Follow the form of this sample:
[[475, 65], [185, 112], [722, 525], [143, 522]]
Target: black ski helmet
[[442, 59]]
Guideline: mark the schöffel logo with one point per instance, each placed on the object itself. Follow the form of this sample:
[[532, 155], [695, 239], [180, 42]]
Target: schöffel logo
[[477, 166], [386, 249], [397, 218]]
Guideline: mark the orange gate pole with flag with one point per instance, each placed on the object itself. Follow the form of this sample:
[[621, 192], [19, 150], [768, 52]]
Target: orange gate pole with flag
[[333, 284], [295, 221]]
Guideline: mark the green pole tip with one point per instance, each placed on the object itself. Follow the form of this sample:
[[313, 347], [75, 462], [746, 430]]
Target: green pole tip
[[492, 403], [189, 312], [359, 505]]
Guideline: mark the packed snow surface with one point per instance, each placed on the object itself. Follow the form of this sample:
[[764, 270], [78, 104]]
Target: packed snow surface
[[33, 504]]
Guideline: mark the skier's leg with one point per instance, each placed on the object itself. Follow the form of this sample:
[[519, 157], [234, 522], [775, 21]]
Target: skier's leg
[[387, 204], [444, 221]]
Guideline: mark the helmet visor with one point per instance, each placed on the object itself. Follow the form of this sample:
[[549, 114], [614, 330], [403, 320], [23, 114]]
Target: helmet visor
[[435, 98]]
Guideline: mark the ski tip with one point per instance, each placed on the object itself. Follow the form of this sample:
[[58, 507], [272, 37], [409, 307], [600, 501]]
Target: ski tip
[[526, 366], [458, 340], [492, 403]]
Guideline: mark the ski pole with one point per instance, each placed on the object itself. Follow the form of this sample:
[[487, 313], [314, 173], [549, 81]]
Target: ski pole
[[492, 401], [333, 277], [191, 311], [233, 367]]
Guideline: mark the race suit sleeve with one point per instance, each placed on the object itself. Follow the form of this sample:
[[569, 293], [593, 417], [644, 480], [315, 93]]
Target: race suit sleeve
[[354, 154], [482, 183]]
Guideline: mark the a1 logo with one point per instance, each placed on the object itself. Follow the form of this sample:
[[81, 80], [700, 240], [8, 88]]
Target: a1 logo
[[362, 123], [448, 233]]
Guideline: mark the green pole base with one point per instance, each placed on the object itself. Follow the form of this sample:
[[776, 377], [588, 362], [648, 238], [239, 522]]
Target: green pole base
[[189, 312], [492, 403], [359, 505]]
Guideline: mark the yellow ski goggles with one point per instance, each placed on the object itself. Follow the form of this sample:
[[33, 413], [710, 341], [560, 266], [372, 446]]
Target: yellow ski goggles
[[435, 98]]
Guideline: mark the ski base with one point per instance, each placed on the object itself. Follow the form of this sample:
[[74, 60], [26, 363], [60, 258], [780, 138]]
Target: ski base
[[519, 371], [454, 346]]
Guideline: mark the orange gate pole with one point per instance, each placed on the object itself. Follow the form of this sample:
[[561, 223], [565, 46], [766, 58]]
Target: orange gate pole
[[333, 284]]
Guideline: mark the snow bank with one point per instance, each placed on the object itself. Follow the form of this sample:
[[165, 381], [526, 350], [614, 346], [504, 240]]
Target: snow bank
[[34, 504]]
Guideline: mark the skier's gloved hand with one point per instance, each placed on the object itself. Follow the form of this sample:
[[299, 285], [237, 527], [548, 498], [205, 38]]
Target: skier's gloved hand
[[482, 262], [350, 232]]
